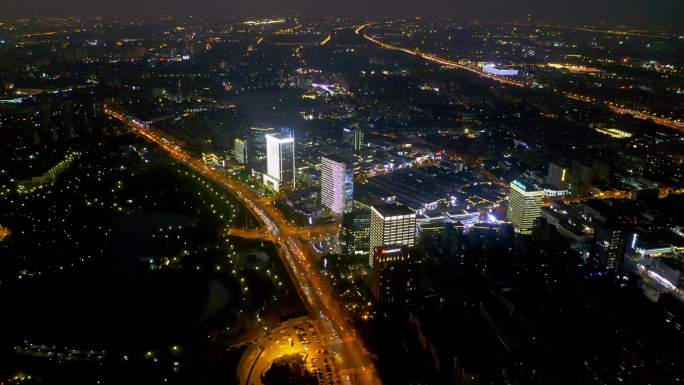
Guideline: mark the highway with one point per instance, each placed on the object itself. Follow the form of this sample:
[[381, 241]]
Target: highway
[[619, 110], [440, 60], [303, 233], [643, 115], [352, 361]]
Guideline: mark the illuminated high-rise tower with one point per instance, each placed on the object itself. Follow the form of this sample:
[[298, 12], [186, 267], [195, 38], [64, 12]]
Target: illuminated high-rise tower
[[240, 149], [337, 184], [280, 162], [355, 235], [391, 225], [524, 206], [358, 139], [354, 137], [395, 273], [558, 176]]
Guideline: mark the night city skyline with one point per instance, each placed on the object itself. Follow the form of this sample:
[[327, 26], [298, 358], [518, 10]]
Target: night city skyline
[[347, 193], [630, 12]]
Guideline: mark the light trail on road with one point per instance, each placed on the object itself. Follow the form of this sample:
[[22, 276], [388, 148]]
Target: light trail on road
[[439, 60], [353, 363], [619, 110], [666, 122], [326, 40]]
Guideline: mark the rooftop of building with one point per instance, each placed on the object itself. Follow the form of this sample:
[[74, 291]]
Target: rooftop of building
[[416, 187], [338, 157], [672, 263], [525, 185], [392, 210], [280, 137]]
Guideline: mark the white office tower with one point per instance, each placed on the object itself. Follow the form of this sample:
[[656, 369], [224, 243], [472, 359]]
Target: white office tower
[[524, 206], [391, 224], [280, 162], [337, 185]]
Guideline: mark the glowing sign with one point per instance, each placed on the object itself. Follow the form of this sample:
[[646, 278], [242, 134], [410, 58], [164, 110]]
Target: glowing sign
[[491, 69], [519, 184]]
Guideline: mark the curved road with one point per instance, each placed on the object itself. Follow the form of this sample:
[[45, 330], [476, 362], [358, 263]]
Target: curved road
[[351, 360]]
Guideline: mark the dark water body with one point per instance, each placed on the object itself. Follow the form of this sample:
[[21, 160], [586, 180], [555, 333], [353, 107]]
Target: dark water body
[[99, 308], [116, 313], [119, 300], [118, 305]]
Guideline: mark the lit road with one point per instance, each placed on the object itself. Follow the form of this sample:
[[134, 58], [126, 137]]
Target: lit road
[[326, 40], [351, 360], [440, 60], [676, 124], [259, 233], [649, 275], [295, 336], [603, 195], [304, 233], [642, 115], [4, 233]]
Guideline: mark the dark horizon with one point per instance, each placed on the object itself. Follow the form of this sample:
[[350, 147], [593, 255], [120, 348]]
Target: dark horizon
[[630, 12]]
